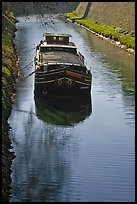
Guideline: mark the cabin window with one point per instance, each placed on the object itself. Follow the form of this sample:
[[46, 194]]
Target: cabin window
[[42, 49], [54, 38], [61, 39], [45, 49]]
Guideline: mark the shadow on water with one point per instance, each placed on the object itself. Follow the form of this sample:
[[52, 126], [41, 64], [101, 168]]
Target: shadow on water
[[65, 112]]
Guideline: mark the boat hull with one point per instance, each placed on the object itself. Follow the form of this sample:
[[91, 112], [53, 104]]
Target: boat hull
[[64, 83]]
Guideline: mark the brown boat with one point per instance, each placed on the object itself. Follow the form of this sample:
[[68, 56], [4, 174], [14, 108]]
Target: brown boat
[[60, 69]]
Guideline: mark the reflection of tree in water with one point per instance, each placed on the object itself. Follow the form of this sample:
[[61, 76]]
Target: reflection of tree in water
[[41, 165]]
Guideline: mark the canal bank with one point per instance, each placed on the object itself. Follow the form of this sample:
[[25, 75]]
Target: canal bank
[[114, 42], [113, 22], [9, 76]]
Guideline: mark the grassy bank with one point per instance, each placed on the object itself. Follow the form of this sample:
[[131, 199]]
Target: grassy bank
[[9, 75], [114, 33]]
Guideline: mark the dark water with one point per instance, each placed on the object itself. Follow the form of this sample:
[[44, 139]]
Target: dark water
[[83, 152]]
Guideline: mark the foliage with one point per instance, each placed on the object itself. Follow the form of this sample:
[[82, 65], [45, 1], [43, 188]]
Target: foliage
[[120, 35]]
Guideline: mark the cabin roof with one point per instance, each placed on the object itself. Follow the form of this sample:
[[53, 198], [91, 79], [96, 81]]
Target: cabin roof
[[70, 45], [56, 35]]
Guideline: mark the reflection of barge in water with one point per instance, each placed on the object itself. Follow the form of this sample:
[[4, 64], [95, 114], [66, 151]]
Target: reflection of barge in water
[[60, 69], [66, 112]]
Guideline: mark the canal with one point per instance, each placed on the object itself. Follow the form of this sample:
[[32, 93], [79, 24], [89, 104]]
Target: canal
[[85, 152]]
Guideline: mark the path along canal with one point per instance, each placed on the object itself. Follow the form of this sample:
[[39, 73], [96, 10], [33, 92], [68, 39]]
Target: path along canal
[[93, 159]]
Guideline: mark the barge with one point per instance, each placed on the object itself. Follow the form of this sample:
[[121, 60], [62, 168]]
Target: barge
[[60, 69]]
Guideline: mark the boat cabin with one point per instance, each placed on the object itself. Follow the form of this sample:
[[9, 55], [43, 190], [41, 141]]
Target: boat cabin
[[56, 38]]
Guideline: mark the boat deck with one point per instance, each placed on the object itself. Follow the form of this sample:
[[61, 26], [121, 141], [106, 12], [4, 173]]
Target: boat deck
[[60, 57]]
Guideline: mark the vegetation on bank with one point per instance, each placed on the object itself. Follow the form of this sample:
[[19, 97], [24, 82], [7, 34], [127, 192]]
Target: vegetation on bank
[[9, 75], [9, 70], [117, 34]]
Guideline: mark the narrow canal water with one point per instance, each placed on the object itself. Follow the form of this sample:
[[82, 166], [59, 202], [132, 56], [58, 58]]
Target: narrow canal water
[[88, 152]]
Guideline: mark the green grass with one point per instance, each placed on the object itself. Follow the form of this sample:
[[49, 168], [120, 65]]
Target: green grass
[[116, 34], [6, 71], [8, 54]]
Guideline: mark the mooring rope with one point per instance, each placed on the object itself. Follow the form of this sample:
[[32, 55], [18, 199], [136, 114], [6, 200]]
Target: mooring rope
[[27, 65], [22, 77], [25, 77], [25, 111], [29, 49]]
